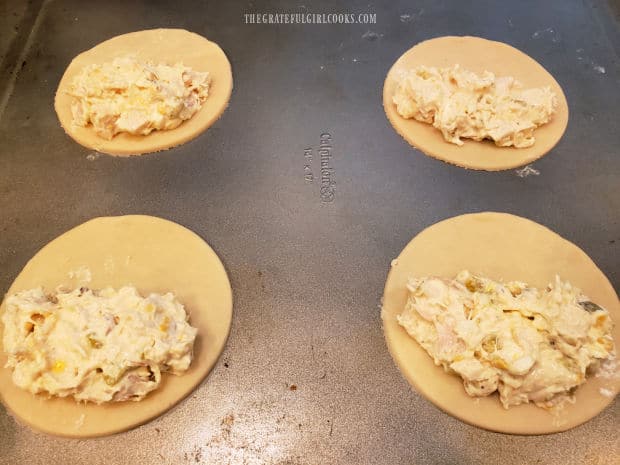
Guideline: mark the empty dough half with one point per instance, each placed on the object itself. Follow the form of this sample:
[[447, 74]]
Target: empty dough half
[[167, 46], [502, 247], [477, 55], [155, 255]]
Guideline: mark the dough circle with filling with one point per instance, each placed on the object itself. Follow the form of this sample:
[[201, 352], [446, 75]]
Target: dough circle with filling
[[502, 247], [167, 46], [154, 255], [477, 55]]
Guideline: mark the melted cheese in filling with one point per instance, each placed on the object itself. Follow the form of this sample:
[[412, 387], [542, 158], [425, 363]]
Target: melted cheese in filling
[[96, 346], [527, 344], [130, 96], [462, 104]]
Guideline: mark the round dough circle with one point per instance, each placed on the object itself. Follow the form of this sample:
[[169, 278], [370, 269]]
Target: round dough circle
[[478, 55], [158, 45], [504, 247], [155, 255]]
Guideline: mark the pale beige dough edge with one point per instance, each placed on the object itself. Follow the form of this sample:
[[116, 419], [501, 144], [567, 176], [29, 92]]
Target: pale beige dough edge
[[506, 247], [477, 55], [155, 255], [158, 45]]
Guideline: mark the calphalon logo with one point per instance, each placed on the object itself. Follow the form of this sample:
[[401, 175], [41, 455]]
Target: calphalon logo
[[328, 185]]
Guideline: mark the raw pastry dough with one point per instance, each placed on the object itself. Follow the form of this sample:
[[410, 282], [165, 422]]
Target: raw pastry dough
[[155, 255], [506, 247], [157, 45], [477, 55]]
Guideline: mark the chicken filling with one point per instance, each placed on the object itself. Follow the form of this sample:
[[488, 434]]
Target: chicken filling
[[462, 104], [527, 344], [134, 97], [96, 346]]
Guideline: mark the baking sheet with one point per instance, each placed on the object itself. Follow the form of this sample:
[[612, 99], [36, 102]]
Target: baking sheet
[[306, 377]]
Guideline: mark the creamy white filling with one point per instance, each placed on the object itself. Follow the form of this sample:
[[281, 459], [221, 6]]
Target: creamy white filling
[[127, 95], [96, 346], [462, 104], [527, 344]]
